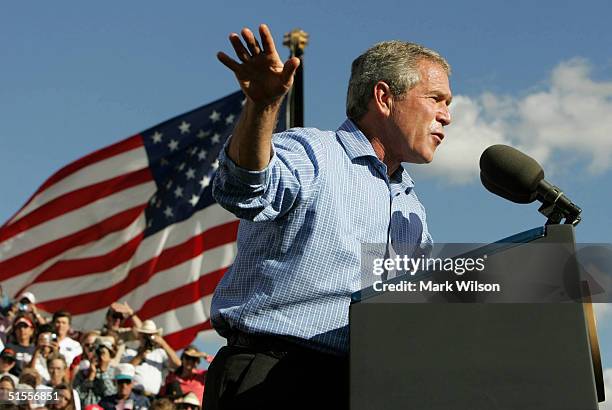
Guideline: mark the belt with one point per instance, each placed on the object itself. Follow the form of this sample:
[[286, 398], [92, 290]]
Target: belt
[[266, 343]]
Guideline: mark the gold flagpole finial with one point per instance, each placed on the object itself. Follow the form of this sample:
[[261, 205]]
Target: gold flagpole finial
[[296, 40]]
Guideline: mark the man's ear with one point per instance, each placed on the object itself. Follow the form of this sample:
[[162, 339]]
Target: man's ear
[[382, 98]]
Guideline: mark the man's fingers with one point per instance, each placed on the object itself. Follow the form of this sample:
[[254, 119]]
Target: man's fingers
[[228, 61], [251, 41], [266, 39], [241, 51], [289, 68]]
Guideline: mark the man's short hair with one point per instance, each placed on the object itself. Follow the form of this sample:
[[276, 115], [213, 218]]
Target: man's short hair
[[62, 313], [395, 63]]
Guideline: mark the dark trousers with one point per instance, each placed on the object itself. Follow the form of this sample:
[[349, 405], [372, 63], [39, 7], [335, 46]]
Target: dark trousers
[[276, 376]]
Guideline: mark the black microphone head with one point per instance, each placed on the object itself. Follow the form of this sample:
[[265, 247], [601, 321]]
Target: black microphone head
[[509, 173]]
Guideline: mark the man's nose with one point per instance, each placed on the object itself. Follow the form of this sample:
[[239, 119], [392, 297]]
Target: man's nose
[[444, 116]]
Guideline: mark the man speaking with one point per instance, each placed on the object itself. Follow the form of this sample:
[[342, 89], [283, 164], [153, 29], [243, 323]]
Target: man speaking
[[307, 200]]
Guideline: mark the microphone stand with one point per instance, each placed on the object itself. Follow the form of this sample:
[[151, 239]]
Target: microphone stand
[[556, 206]]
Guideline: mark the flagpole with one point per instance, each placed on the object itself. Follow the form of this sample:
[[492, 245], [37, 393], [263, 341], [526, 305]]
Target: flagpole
[[296, 40]]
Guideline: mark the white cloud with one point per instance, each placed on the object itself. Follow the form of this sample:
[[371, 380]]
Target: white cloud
[[571, 117], [602, 312]]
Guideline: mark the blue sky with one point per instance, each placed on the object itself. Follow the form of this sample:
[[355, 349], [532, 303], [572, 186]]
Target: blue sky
[[538, 75]]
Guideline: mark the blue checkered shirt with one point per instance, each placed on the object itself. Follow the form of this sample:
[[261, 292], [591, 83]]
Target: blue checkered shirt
[[303, 221]]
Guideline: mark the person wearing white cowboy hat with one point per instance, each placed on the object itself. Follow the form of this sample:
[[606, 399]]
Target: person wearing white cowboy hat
[[188, 401], [153, 358]]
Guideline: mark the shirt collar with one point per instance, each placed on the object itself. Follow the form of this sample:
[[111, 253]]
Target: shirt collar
[[356, 145], [407, 181]]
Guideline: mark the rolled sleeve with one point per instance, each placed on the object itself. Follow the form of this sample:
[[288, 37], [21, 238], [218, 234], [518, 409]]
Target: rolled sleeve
[[264, 195], [242, 175]]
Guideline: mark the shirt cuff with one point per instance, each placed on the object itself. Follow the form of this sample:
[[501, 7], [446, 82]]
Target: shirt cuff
[[246, 176]]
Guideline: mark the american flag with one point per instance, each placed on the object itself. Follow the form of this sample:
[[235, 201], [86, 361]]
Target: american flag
[[132, 222]]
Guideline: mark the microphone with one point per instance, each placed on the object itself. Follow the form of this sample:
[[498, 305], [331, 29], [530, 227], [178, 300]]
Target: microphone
[[507, 172]]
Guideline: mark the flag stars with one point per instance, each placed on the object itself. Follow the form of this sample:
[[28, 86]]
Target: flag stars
[[164, 162], [190, 174], [181, 166], [168, 212], [243, 102], [184, 127], [205, 181], [193, 151], [178, 192], [215, 165], [215, 116], [202, 154], [203, 134], [229, 119], [216, 138], [169, 184], [173, 145], [157, 137], [194, 200]]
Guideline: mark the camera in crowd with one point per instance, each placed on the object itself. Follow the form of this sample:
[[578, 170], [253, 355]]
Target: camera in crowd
[[48, 338], [117, 315], [23, 305], [149, 342]]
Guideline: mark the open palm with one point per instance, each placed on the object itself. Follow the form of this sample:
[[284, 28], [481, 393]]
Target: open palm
[[262, 75]]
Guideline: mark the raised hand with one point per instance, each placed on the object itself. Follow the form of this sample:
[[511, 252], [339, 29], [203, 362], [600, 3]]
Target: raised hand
[[262, 75]]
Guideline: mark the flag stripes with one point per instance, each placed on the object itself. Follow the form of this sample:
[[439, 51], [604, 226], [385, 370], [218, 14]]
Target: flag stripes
[[133, 222]]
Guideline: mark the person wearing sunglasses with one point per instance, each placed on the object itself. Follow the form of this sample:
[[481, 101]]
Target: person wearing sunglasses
[[187, 375], [125, 397]]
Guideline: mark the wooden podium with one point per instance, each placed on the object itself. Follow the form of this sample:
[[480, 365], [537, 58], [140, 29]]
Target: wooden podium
[[483, 353]]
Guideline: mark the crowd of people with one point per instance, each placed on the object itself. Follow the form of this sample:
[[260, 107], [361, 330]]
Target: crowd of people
[[125, 364]]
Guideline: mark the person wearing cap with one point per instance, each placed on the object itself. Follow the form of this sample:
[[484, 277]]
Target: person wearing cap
[[96, 381], [8, 358], [187, 375], [153, 358], [69, 347], [125, 396], [21, 341], [26, 304], [188, 402]]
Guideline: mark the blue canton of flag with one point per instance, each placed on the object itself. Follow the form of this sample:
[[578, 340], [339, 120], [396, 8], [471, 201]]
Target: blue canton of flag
[[135, 222], [183, 158]]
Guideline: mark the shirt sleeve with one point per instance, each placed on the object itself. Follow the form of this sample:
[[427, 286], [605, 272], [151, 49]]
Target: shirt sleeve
[[291, 178]]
